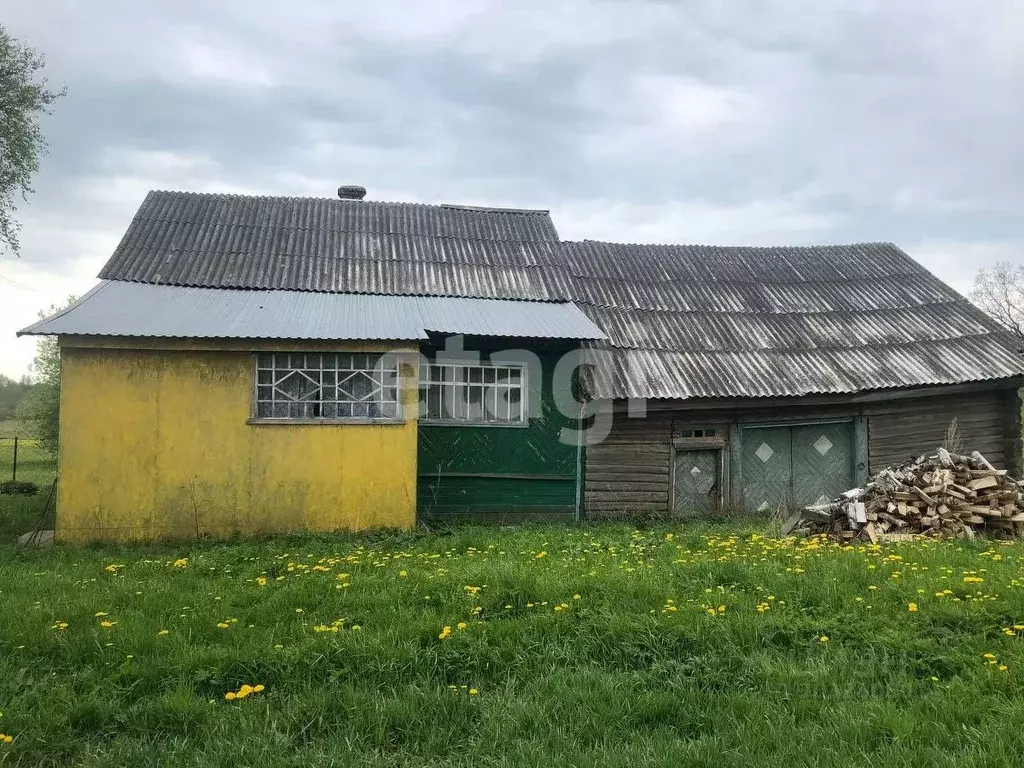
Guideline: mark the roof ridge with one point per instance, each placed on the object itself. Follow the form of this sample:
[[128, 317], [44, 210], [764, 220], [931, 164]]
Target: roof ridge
[[718, 246], [410, 204]]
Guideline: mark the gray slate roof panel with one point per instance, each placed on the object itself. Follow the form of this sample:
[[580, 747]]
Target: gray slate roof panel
[[702, 321], [313, 244], [681, 320], [121, 308]]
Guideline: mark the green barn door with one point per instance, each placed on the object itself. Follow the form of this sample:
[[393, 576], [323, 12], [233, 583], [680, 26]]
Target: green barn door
[[822, 462], [796, 466], [695, 478], [767, 468]]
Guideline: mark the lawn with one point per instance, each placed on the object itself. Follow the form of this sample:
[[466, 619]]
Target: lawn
[[19, 514], [551, 646]]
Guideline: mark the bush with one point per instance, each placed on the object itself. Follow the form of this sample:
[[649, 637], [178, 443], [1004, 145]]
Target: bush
[[18, 488]]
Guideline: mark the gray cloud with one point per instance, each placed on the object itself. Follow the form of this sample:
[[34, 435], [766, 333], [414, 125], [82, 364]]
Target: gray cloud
[[740, 122]]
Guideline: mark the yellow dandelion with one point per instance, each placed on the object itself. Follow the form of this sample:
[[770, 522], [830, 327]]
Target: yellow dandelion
[[164, 632], [473, 691], [230, 695], [912, 607], [823, 639]]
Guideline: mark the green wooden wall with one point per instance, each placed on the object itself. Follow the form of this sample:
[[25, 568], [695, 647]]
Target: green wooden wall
[[499, 472]]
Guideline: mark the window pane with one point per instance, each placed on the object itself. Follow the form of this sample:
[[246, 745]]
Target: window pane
[[293, 385]]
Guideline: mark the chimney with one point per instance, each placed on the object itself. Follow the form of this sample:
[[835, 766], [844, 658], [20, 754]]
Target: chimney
[[351, 192]]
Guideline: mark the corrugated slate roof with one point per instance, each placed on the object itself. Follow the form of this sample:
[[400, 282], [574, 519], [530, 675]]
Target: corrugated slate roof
[[681, 321], [120, 308], [314, 244], [704, 321]]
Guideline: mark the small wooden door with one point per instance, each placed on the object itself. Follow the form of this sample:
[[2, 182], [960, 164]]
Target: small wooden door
[[696, 483]]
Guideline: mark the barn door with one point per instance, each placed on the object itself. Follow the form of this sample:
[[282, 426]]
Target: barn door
[[822, 462], [767, 468], [796, 466], [695, 482]]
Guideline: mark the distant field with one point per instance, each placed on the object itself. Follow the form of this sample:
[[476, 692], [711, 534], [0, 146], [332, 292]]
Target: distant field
[[13, 428], [598, 645], [19, 514]]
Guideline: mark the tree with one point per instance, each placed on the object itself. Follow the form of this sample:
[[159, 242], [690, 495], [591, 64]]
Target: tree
[[40, 408], [1000, 292], [24, 97], [11, 394]]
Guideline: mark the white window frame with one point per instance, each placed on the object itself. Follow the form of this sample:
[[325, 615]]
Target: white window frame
[[456, 379], [325, 375]]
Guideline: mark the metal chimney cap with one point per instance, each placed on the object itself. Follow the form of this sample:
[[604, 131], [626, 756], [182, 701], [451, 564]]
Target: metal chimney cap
[[351, 192]]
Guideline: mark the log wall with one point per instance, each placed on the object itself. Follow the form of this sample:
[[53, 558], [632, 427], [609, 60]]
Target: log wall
[[630, 471]]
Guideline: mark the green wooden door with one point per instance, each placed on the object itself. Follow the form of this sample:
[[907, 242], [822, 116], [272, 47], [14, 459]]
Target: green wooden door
[[822, 462], [796, 466], [695, 482], [767, 468]]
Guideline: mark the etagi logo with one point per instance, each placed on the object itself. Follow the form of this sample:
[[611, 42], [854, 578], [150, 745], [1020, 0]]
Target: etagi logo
[[512, 386]]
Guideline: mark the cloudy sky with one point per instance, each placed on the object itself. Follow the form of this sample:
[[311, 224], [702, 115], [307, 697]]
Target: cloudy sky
[[760, 122]]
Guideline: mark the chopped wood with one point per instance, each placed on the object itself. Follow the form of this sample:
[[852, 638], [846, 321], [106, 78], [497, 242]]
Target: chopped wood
[[983, 482], [946, 495]]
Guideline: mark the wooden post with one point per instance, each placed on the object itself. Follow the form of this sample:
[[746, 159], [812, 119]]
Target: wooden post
[[14, 464]]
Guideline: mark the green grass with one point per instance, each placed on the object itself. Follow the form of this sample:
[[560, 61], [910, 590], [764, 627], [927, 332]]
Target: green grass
[[663, 659], [19, 514]]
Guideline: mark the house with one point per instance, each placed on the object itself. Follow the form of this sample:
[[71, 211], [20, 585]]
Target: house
[[251, 364]]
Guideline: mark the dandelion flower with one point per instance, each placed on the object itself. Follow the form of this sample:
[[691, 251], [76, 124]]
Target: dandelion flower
[[823, 639], [403, 574], [258, 688], [912, 607], [107, 624], [230, 695], [461, 626], [473, 691]]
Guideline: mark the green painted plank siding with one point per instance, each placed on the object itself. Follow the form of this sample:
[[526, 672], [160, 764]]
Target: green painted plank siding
[[517, 468]]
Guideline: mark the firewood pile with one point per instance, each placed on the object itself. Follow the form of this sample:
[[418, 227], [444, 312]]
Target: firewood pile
[[947, 495]]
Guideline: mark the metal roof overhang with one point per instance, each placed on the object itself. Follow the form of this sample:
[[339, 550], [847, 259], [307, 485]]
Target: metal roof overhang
[[121, 308]]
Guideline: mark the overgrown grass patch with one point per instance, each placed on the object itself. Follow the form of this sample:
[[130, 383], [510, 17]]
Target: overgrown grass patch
[[598, 645], [20, 514]]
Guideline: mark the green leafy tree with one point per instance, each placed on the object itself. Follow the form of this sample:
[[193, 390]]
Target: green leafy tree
[[11, 394], [24, 97], [40, 408]]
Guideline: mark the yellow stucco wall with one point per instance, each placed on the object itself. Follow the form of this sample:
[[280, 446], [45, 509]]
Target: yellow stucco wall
[[155, 442]]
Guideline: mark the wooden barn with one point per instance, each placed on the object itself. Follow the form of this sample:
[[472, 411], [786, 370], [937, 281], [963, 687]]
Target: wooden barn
[[251, 364], [764, 378]]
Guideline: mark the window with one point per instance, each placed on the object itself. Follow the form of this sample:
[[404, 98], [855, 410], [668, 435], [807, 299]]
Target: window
[[328, 386], [475, 394], [698, 433]]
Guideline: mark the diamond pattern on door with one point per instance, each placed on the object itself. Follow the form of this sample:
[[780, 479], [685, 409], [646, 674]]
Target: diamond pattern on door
[[767, 467], [695, 482], [822, 445]]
